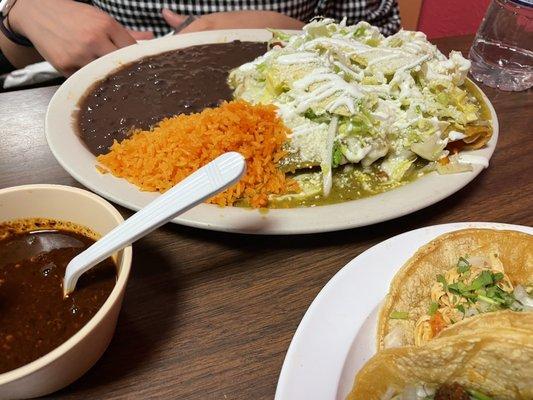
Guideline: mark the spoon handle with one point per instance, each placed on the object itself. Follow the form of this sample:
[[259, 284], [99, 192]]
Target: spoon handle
[[202, 184]]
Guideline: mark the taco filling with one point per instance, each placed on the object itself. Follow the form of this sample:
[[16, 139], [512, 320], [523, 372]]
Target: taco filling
[[452, 391], [474, 285], [486, 357], [456, 277]]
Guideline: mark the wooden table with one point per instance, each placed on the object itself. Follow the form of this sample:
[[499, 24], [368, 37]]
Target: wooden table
[[210, 315]]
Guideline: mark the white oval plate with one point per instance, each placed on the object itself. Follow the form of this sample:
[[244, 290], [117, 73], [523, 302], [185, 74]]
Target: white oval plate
[[337, 334], [79, 162]]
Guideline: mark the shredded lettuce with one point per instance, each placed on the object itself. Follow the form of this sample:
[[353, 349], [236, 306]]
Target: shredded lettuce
[[394, 99], [279, 36]]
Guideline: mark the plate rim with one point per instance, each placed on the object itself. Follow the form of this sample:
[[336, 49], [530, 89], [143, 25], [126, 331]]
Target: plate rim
[[303, 221], [310, 319]]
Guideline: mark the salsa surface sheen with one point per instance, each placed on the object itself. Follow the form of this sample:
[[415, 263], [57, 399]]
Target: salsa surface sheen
[[34, 316], [142, 93]]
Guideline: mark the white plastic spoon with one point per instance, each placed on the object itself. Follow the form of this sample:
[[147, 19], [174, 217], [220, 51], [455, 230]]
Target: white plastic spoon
[[212, 178]]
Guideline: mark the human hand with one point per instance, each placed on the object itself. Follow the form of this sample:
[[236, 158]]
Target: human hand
[[234, 20], [70, 34]]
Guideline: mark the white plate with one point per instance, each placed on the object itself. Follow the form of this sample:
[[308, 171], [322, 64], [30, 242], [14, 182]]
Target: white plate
[[337, 334], [70, 152]]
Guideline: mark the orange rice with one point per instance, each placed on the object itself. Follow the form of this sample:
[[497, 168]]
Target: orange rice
[[156, 160]]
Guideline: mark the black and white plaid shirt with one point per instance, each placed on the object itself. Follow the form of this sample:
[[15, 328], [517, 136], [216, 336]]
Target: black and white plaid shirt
[[146, 14]]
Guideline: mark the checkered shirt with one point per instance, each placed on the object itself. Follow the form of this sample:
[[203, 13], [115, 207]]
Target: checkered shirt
[[146, 15]]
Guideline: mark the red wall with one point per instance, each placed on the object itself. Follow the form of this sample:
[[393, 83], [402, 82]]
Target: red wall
[[440, 18]]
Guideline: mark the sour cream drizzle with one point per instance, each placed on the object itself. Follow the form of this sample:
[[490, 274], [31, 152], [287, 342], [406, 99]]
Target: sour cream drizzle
[[413, 64], [385, 58], [455, 135], [328, 84], [343, 44], [297, 58]]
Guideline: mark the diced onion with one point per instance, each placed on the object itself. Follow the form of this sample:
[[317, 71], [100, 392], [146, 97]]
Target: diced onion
[[483, 306], [525, 299], [416, 393], [478, 261], [424, 391], [389, 394], [410, 393], [470, 312], [393, 339]]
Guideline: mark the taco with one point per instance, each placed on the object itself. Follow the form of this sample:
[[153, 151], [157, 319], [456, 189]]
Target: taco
[[456, 276], [475, 365], [518, 321]]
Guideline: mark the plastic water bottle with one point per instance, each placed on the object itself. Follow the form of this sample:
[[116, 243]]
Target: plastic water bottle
[[502, 53]]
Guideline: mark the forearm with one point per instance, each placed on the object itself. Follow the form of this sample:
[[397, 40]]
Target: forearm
[[17, 55], [268, 19], [68, 34], [243, 20]]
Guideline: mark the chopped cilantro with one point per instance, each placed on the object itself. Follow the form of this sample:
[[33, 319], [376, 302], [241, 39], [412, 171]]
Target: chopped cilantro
[[452, 287], [441, 279], [498, 276], [458, 288], [487, 299], [463, 265], [509, 299], [337, 155], [483, 288], [310, 114], [475, 395], [399, 315], [501, 296], [491, 291], [462, 287], [482, 280]]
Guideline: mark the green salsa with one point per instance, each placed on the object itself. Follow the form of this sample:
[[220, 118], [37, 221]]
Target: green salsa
[[353, 182]]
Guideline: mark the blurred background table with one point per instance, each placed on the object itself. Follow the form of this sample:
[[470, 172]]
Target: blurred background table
[[210, 315]]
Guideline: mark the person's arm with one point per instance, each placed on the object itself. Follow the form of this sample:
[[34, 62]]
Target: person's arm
[[66, 33], [18, 56], [234, 20]]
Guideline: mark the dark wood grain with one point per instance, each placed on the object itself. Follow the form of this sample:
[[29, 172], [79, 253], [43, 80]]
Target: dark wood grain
[[210, 315]]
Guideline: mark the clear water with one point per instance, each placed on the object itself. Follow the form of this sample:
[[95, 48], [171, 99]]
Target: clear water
[[502, 53]]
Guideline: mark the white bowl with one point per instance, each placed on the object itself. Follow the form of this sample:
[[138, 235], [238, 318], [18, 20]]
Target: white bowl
[[73, 358]]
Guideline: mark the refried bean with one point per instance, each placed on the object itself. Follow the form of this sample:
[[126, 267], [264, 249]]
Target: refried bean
[[142, 93]]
